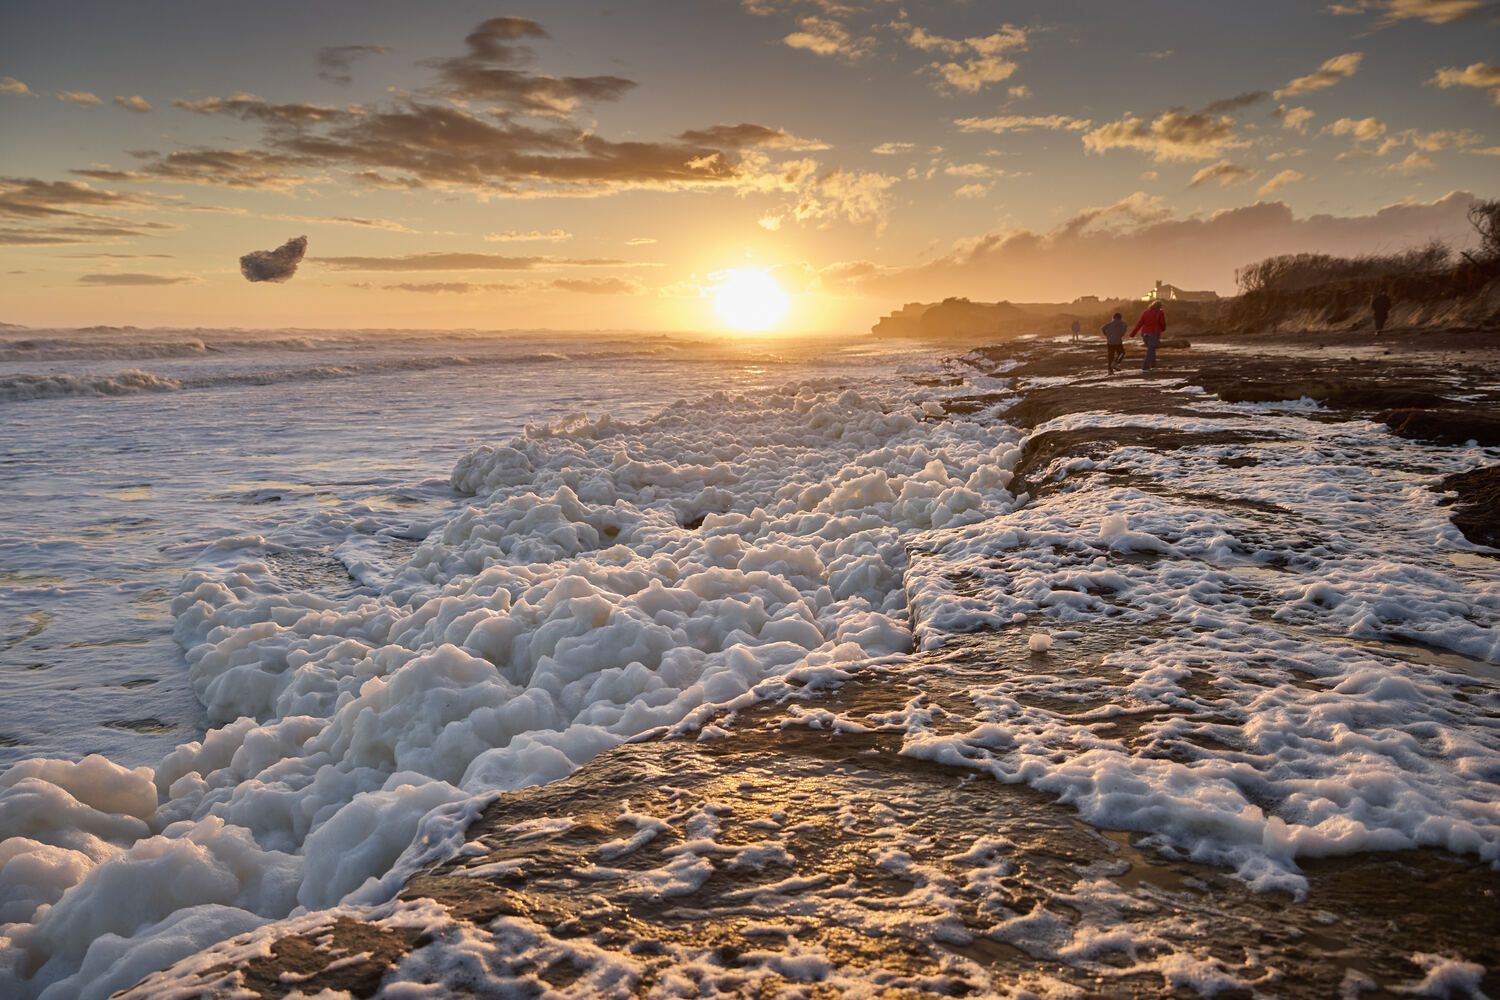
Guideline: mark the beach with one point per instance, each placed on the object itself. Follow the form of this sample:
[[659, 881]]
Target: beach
[[1151, 693]]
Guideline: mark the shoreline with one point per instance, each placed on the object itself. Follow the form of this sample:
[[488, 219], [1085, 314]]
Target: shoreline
[[731, 860]]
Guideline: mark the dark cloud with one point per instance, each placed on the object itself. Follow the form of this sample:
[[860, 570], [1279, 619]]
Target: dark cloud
[[274, 265], [1228, 104], [132, 279], [248, 106], [66, 212], [335, 61], [460, 262], [29, 197], [488, 72], [499, 129]]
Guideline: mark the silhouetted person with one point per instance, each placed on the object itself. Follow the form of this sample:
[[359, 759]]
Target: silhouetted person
[[1114, 341], [1380, 306], [1076, 328], [1152, 322]]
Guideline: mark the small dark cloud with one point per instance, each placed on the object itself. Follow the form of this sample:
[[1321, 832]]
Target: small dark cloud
[[132, 279], [335, 61], [248, 106], [274, 265], [1228, 104], [459, 262]]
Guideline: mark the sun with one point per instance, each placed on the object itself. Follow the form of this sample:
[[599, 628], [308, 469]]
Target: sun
[[750, 300]]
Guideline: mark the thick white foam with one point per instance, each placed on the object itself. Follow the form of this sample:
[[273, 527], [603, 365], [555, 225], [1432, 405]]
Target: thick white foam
[[567, 609]]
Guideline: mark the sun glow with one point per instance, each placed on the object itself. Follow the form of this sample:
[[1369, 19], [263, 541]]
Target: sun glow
[[750, 300]]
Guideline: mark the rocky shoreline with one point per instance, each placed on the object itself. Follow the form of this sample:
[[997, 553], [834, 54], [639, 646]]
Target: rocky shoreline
[[805, 847]]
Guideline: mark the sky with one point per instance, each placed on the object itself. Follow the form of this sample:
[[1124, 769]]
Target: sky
[[578, 165]]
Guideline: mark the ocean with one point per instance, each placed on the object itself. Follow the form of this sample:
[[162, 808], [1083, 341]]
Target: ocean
[[284, 610]]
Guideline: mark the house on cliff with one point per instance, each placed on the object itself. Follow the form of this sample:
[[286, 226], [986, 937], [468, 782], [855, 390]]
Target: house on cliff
[[1164, 292]]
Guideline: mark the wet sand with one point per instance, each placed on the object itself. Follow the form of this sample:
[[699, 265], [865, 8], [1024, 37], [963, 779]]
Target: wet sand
[[914, 878]]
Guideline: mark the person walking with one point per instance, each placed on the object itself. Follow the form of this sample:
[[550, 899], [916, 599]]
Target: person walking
[[1114, 342], [1380, 306], [1076, 328], [1152, 322]]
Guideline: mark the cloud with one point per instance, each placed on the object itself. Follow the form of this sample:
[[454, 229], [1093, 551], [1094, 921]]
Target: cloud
[[597, 286], [1331, 72], [448, 287], [245, 169], [970, 64], [335, 61], [136, 103], [825, 37], [248, 107], [1019, 92], [972, 191], [1227, 104], [1120, 249], [459, 262], [68, 212], [1170, 136], [517, 145], [639, 241], [488, 72], [967, 170], [274, 265], [1224, 172], [1018, 123], [515, 236], [1481, 76], [33, 198], [132, 279], [79, 97], [892, 148], [1430, 142], [349, 220], [1362, 129], [746, 134], [1293, 118], [10, 85], [1414, 164], [1278, 182], [1431, 11]]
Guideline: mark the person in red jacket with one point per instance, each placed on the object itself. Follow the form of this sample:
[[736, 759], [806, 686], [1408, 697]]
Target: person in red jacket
[[1152, 322]]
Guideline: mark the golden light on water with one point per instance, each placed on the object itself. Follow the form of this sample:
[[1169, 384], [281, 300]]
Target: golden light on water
[[750, 300]]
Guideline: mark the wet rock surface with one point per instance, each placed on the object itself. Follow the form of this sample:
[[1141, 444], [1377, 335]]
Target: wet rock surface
[[799, 849]]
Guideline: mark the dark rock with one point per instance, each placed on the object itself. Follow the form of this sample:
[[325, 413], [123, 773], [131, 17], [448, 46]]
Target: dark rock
[[1449, 426]]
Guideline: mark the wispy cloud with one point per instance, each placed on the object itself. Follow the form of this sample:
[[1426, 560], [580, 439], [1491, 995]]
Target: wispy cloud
[[349, 220], [69, 212], [336, 61], [1360, 129], [1431, 11], [1278, 182], [10, 85], [125, 279], [535, 235], [460, 262], [1020, 123], [1331, 72], [1481, 76], [1415, 163], [1223, 172], [893, 148], [136, 103], [79, 97]]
